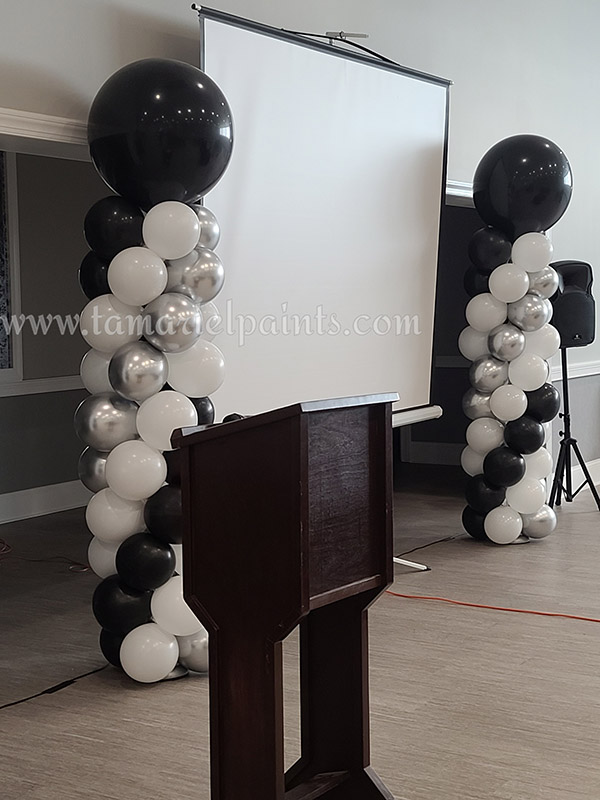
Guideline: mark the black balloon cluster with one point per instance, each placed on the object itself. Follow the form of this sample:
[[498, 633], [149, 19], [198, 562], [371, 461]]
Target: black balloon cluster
[[521, 187]]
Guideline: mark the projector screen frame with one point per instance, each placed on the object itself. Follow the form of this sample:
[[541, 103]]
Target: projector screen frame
[[428, 410]]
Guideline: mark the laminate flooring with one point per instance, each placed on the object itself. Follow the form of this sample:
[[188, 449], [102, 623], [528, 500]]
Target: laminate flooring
[[466, 703]]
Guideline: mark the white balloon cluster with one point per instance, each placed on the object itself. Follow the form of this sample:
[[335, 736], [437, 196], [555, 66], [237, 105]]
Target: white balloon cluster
[[509, 340], [148, 331]]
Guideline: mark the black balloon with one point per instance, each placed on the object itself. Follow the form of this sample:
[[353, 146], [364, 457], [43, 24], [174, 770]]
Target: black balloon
[[205, 409], [489, 248], [111, 225], [144, 562], [525, 435], [120, 608], [160, 130], [110, 645], [522, 184], [543, 404], [475, 282], [503, 467], [173, 459], [482, 496], [473, 523], [163, 515], [93, 276], [233, 417]]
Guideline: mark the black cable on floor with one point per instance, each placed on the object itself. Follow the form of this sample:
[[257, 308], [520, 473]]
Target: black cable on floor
[[56, 688], [423, 546]]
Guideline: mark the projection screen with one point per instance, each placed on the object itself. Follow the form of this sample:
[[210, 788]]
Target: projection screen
[[329, 214]]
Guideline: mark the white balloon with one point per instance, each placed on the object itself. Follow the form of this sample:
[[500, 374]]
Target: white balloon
[[503, 525], [539, 464], [532, 251], [171, 229], [171, 612], [134, 470], [473, 344], [484, 434], [484, 312], [509, 283], [94, 372], [212, 321], [198, 371], [527, 496], [106, 323], [550, 309], [161, 414], [101, 557], [112, 518], [470, 461], [528, 372], [545, 342], [178, 550], [508, 403], [193, 651], [148, 653], [136, 276]]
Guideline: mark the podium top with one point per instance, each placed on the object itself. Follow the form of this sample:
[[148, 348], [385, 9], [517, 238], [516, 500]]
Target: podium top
[[184, 437]]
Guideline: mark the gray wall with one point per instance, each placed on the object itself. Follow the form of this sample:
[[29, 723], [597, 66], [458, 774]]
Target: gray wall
[[584, 396], [37, 441]]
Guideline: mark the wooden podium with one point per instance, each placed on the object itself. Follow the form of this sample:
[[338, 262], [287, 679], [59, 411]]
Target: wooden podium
[[287, 520]]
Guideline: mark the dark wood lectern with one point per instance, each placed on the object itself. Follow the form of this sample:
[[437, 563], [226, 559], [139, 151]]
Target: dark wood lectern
[[288, 519]]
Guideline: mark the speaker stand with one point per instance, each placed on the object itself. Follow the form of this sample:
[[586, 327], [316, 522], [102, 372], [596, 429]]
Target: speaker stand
[[563, 479]]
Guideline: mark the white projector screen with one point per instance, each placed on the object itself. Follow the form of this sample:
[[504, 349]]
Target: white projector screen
[[329, 214]]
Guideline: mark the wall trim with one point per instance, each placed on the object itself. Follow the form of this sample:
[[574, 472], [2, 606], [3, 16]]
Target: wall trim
[[31, 125], [578, 476], [459, 193], [42, 500], [66, 383], [581, 370]]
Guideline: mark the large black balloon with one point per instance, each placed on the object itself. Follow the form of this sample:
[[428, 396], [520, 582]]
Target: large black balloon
[[205, 409], [488, 248], [503, 466], [543, 404], [120, 608], [111, 225], [473, 523], [522, 184], [93, 276], [144, 562], [160, 130], [482, 496], [475, 282], [163, 515], [525, 435], [110, 645]]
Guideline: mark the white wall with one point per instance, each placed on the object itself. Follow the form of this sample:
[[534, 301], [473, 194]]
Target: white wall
[[518, 67]]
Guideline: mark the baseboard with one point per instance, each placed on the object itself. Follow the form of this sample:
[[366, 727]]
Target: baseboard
[[594, 469], [42, 500]]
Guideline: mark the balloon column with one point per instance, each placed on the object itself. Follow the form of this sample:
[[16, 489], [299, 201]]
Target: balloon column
[[522, 186], [160, 135]]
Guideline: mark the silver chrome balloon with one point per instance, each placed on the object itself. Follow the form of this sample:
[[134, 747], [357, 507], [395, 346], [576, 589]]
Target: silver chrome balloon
[[105, 420], [530, 313], [137, 371], [506, 342], [172, 322], [540, 524], [543, 283], [210, 231], [92, 464], [193, 651], [199, 275], [488, 373], [476, 404]]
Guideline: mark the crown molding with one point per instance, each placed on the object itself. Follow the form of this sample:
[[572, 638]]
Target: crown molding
[[43, 134]]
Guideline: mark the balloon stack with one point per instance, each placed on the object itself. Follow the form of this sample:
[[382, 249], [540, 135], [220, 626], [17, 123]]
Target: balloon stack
[[522, 186], [160, 135]]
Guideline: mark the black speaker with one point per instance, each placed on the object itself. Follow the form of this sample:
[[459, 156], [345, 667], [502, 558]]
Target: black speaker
[[574, 306]]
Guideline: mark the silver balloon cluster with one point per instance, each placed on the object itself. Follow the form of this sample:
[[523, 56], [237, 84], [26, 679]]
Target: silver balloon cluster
[[146, 332], [509, 340]]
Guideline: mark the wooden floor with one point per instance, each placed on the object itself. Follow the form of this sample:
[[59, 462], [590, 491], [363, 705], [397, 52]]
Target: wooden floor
[[467, 703]]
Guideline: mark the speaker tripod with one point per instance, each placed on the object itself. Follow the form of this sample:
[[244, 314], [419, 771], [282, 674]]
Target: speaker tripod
[[563, 479]]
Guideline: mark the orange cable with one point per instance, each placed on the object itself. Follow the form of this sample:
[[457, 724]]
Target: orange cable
[[493, 608]]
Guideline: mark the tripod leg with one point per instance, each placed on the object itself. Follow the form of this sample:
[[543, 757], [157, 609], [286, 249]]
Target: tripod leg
[[586, 472], [558, 476], [568, 476]]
